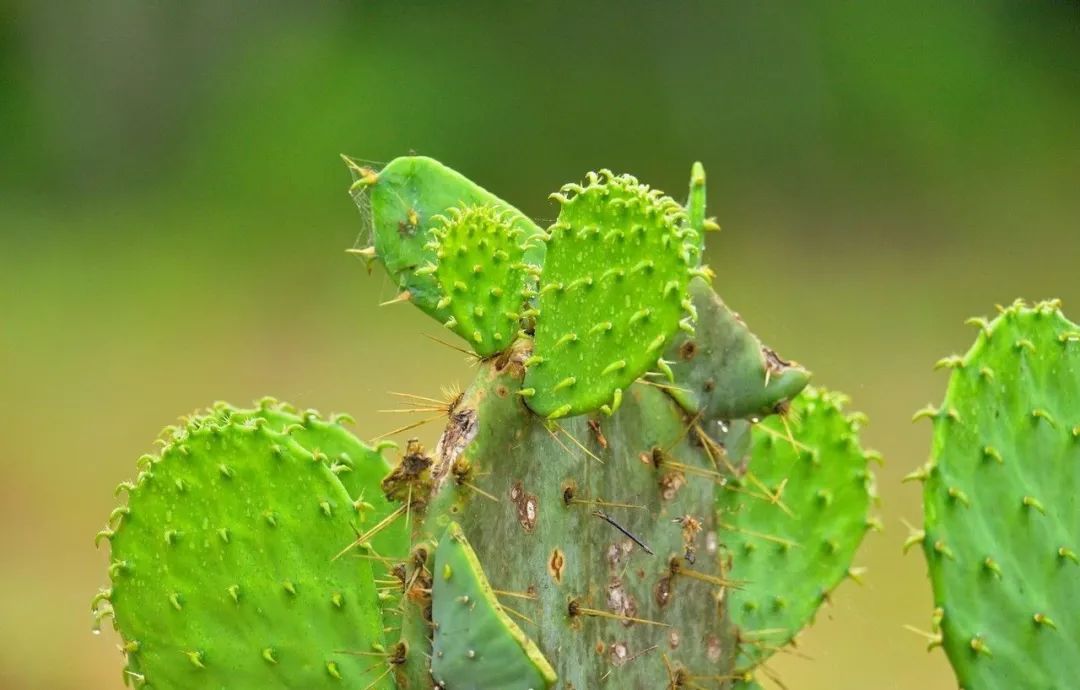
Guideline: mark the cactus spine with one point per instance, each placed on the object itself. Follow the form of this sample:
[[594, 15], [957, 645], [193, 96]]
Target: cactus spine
[[601, 509]]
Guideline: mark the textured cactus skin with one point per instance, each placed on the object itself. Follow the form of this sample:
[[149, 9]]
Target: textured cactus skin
[[1002, 518], [789, 560], [723, 371], [405, 197], [612, 293], [222, 573], [483, 275], [536, 532], [476, 645], [359, 467]]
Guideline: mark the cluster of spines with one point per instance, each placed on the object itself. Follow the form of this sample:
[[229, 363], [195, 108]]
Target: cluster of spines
[[989, 375], [481, 268], [621, 194]]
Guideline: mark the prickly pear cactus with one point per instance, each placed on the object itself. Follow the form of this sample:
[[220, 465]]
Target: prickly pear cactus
[[223, 572], [580, 523], [793, 520], [1002, 518]]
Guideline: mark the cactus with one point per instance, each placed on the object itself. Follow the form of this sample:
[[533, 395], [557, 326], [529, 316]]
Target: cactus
[[586, 519], [1002, 521], [796, 518], [222, 566]]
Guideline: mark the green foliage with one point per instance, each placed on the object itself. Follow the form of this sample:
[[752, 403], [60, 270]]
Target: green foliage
[[1002, 520], [794, 519], [481, 270], [722, 370], [612, 293], [476, 646], [223, 570]]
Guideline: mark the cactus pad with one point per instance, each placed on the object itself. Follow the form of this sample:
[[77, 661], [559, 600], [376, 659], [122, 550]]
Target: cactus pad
[[535, 499], [1002, 522], [405, 199], [222, 567], [723, 371], [790, 554], [482, 274], [612, 293], [476, 644]]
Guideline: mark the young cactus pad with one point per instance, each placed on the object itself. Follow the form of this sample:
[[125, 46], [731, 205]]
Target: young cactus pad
[[613, 292], [223, 571], [405, 200], [482, 274], [1002, 521], [793, 521]]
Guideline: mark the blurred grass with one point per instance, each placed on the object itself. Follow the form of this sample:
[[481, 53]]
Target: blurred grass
[[173, 215]]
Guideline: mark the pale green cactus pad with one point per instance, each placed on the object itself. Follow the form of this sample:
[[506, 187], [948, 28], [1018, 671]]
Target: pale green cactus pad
[[403, 200], [1002, 523], [223, 570], [476, 645], [481, 271], [612, 294], [791, 552], [722, 370]]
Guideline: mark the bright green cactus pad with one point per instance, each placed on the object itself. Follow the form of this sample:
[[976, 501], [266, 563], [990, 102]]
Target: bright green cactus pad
[[359, 467], [223, 572], [482, 274], [723, 371], [476, 645], [404, 200], [1002, 500], [612, 294], [790, 556]]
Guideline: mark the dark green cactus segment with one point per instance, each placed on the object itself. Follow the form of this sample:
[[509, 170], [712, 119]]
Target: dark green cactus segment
[[722, 370], [476, 644], [223, 571], [1002, 520], [612, 294], [482, 274], [600, 606], [404, 199], [792, 551]]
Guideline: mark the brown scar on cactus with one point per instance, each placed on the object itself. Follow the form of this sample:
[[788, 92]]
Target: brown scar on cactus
[[528, 506]]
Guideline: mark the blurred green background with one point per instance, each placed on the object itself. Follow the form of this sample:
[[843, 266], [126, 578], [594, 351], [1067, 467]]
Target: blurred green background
[[173, 214]]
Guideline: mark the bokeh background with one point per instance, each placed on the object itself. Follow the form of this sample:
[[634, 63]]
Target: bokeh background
[[173, 213]]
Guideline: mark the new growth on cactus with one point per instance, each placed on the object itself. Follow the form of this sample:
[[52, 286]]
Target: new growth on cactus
[[633, 492]]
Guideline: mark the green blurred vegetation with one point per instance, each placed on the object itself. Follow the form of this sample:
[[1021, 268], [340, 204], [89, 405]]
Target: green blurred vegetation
[[173, 214]]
